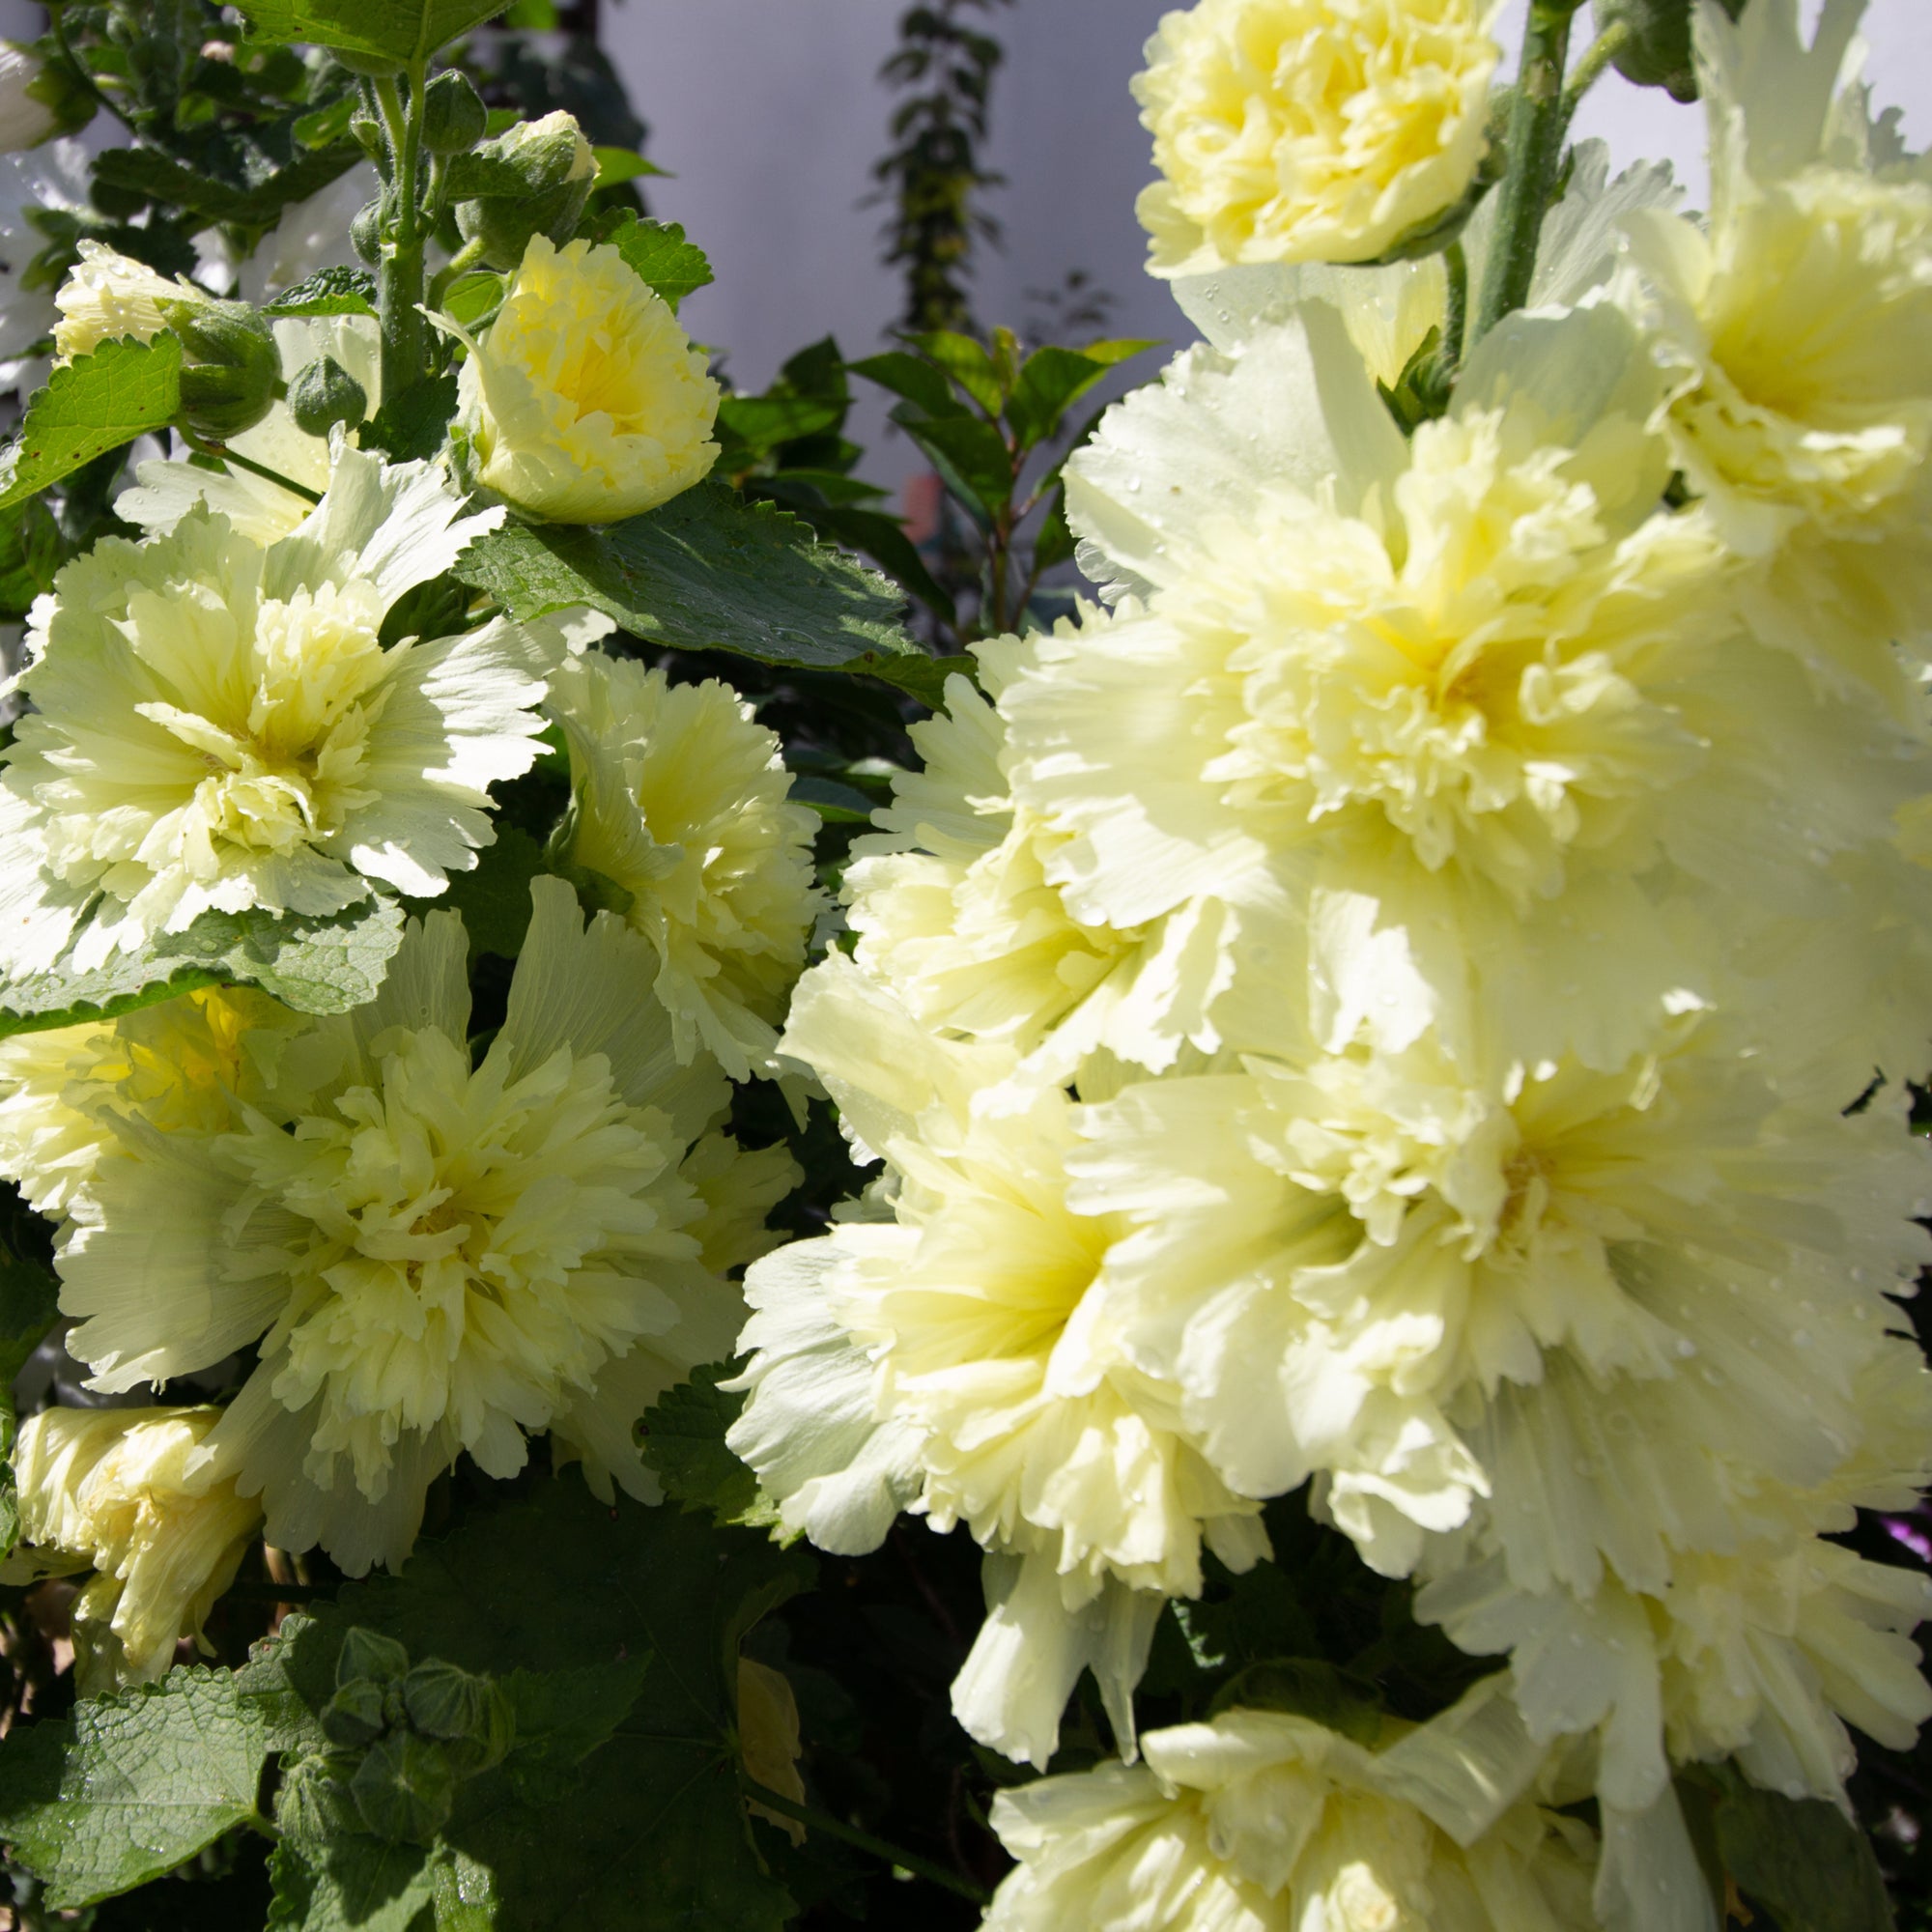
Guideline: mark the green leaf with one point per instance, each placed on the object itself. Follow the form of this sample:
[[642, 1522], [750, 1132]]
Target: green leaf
[[616, 166], [762, 422], [1054, 545], [922, 678], [972, 459], [1053, 379], [473, 298], [314, 964], [365, 1885], [969, 365], [171, 184], [709, 572], [494, 900], [1801, 1859], [663, 258], [92, 405], [648, 1832], [335, 291], [413, 427], [399, 30], [884, 540], [30, 553], [131, 1786], [907, 376], [837, 805], [563, 1715], [684, 1434]]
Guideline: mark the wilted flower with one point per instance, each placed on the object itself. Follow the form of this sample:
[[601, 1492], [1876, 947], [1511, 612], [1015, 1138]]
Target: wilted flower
[[585, 402], [431, 1256], [109, 1487], [680, 799], [218, 725], [1309, 130]]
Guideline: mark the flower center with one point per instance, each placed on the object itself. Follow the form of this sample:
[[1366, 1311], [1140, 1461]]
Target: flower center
[[466, 1244]]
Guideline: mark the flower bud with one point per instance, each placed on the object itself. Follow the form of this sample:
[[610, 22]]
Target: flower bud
[[230, 367], [324, 394], [553, 169], [35, 102], [1656, 51], [404, 1789], [365, 233], [577, 445], [353, 1717], [465, 1712], [367, 135], [454, 117], [369, 1657]]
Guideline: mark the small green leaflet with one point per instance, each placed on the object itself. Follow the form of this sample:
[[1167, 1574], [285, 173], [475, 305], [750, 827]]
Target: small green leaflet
[[92, 405], [663, 260], [709, 572], [315, 965], [334, 291], [403, 31], [684, 1440], [131, 1786]]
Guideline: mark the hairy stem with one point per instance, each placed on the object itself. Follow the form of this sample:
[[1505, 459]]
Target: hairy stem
[[1455, 308], [1537, 123], [880, 1848], [400, 277], [1600, 53]]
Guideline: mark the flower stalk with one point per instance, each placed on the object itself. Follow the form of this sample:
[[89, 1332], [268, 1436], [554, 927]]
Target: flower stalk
[[400, 275], [1539, 116]]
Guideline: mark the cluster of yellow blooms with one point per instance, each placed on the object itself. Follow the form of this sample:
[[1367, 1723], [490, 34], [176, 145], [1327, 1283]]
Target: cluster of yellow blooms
[[1413, 994], [431, 1253]]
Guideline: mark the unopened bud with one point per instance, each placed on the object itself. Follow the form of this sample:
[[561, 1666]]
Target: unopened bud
[[325, 394], [404, 1789], [367, 135], [368, 1653], [454, 117], [365, 233], [353, 1717], [467, 1712], [230, 366], [535, 181]]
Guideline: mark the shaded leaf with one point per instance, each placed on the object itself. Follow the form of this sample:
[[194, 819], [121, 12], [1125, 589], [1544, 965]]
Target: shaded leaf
[[365, 1885], [1801, 1860], [95, 404], [172, 184], [967, 363], [650, 1832], [684, 1434], [412, 427], [907, 376], [1054, 380], [972, 459], [707, 572]]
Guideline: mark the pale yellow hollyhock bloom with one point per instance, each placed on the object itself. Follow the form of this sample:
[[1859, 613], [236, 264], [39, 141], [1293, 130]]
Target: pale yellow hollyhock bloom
[[434, 1256], [178, 1067], [108, 294], [1309, 130], [1797, 328], [1259, 1821], [681, 800], [220, 725], [956, 913], [956, 1360], [109, 1487], [584, 401]]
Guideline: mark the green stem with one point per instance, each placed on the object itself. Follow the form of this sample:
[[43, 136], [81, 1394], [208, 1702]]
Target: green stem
[[1600, 53], [237, 461], [461, 262], [833, 1828], [400, 278], [1537, 122], [1455, 308], [57, 20]]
